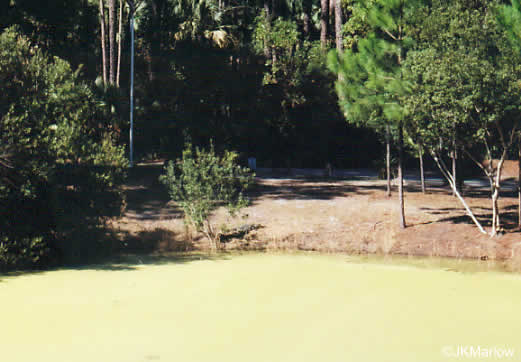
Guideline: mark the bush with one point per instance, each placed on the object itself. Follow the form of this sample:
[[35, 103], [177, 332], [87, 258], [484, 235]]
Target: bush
[[59, 166], [202, 181]]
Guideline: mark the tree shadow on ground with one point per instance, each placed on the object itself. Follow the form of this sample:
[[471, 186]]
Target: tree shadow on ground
[[509, 219], [315, 188], [483, 193], [127, 262], [153, 240], [308, 189], [508, 189], [120, 251], [147, 198]]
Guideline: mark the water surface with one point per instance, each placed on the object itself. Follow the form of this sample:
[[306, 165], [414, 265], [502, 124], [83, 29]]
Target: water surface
[[262, 307]]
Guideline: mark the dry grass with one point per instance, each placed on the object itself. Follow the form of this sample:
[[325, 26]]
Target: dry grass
[[331, 216]]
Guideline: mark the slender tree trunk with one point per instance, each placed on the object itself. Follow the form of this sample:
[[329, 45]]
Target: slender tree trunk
[[446, 173], [331, 10], [267, 9], [495, 177], [338, 25], [453, 157], [267, 49], [400, 176], [210, 234], [388, 158], [496, 188], [494, 196], [120, 39], [103, 41], [155, 45], [148, 60], [307, 8], [323, 22], [422, 175], [306, 25], [112, 42]]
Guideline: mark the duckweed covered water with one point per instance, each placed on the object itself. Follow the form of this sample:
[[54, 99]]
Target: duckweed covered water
[[262, 307]]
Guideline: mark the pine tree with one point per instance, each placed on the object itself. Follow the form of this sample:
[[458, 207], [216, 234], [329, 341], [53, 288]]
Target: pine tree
[[323, 22], [371, 84]]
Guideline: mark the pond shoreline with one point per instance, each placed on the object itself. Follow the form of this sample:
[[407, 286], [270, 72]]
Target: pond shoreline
[[352, 216]]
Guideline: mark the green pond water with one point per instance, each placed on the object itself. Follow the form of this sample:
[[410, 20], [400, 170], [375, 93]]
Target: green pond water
[[264, 307]]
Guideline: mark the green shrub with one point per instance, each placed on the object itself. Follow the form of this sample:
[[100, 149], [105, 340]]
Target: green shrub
[[202, 181], [24, 252], [59, 166]]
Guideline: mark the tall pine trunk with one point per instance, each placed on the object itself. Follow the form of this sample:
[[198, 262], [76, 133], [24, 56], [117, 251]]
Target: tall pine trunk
[[120, 39], [388, 158], [331, 11], [155, 39], [323, 22], [306, 24], [103, 41], [307, 9], [400, 176], [338, 25], [267, 49], [152, 40], [112, 42]]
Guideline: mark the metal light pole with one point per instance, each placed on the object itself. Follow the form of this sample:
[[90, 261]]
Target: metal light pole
[[131, 3]]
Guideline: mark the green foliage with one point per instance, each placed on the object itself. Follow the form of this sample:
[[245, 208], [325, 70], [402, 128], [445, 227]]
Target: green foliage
[[357, 25], [60, 164], [446, 89], [367, 85], [202, 181], [23, 252], [296, 78], [509, 18], [466, 89], [462, 81], [288, 56], [508, 21], [370, 84]]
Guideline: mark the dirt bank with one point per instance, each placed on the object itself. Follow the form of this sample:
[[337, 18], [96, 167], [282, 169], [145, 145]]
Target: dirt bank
[[353, 216]]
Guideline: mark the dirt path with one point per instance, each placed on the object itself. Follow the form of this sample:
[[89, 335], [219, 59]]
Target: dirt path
[[353, 216]]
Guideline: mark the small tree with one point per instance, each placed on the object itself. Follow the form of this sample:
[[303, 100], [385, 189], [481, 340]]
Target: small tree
[[509, 20], [371, 79], [464, 92], [202, 181]]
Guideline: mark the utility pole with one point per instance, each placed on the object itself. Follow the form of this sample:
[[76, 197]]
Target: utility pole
[[132, 9]]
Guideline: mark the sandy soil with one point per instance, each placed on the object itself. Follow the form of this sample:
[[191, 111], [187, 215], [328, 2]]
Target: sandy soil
[[353, 216]]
